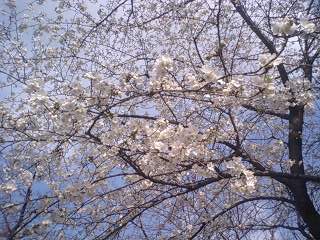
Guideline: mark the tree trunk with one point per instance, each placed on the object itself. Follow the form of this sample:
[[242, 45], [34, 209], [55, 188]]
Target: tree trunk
[[303, 203]]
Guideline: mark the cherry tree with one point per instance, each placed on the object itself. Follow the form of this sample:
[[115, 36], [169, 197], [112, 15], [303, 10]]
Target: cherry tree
[[149, 119]]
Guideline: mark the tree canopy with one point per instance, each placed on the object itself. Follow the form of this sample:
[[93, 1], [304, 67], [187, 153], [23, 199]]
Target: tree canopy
[[159, 119]]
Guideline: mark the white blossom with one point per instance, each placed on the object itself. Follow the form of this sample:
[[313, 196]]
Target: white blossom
[[92, 76], [8, 187], [162, 65], [307, 26], [269, 60], [285, 26], [208, 73]]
